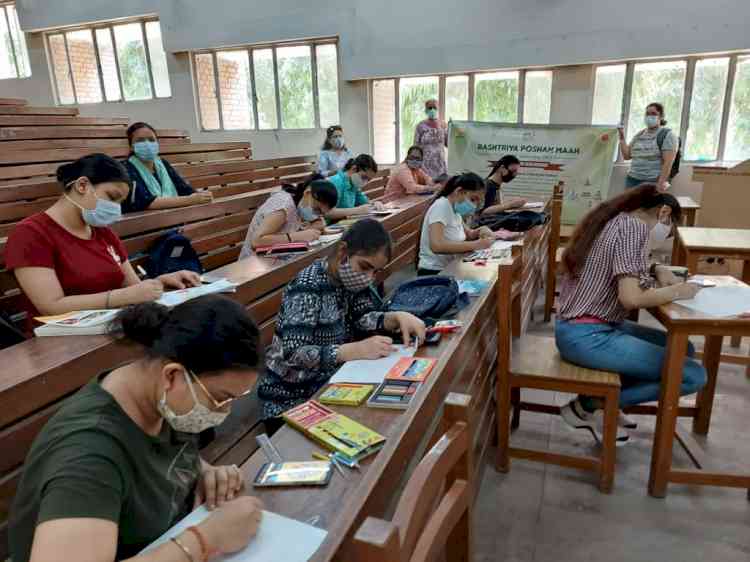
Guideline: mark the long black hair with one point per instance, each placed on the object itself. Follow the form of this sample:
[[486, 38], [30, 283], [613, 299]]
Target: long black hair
[[322, 190], [504, 162], [468, 181], [97, 167], [329, 134], [367, 237], [362, 162]]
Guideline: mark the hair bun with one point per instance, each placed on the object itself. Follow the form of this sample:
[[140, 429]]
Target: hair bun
[[64, 171], [142, 323]]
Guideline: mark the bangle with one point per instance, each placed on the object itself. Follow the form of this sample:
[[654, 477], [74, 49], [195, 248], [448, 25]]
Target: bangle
[[205, 551], [109, 294], [183, 548], [289, 236]]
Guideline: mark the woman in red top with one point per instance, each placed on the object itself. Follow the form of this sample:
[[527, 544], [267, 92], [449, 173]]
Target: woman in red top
[[66, 258], [409, 178]]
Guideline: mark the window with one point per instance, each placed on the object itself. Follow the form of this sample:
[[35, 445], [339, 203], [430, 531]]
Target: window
[[738, 128], [537, 99], [662, 82], [457, 98], [14, 59], [609, 89], [115, 62], [412, 95], [707, 101], [384, 120], [270, 87], [496, 97]]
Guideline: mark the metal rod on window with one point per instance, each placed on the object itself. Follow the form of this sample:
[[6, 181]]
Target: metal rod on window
[[147, 51], [253, 89], [316, 94], [196, 90], [687, 99], [627, 92], [217, 89], [397, 108], [12, 42], [52, 69], [70, 68], [727, 107], [442, 100], [116, 53], [99, 65], [521, 95], [276, 89], [471, 98]]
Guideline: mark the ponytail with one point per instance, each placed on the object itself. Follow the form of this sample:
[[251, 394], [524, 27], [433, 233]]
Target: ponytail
[[468, 181], [504, 162], [297, 191]]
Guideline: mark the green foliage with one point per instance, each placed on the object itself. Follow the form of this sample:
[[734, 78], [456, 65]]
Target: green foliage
[[412, 100], [496, 100], [135, 81], [265, 90], [538, 99], [608, 96], [702, 142], [328, 88], [738, 135], [662, 85], [295, 93], [457, 100]]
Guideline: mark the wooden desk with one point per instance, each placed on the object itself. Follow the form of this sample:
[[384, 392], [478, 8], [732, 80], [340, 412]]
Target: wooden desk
[[689, 209], [681, 322], [465, 364]]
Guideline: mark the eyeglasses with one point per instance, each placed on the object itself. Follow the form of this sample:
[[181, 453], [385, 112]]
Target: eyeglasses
[[218, 405]]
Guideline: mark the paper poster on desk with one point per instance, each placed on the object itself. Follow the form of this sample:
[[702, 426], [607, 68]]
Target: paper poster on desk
[[271, 543], [371, 370], [720, 301]]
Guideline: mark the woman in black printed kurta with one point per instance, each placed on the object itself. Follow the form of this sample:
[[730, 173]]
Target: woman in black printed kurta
[[326, 313]]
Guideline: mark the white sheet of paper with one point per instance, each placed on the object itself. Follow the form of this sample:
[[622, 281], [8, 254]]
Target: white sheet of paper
[[720, 301], [534, 205], [503, 244], [371, 370], [173, 298], [271, 543]]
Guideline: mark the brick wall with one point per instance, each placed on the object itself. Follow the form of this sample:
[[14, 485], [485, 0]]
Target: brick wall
[[206, 85], [85, 70], [234, 83]]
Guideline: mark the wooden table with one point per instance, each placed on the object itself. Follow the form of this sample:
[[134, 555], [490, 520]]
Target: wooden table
[[680, 323], [465, 364], [689, 209]]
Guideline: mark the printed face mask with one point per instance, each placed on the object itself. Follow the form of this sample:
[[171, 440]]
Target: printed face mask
[[432, 113], [465, 207], [146, 150], [652, 121], [353, 281], [660, 232], [105, 213], [199, 419]]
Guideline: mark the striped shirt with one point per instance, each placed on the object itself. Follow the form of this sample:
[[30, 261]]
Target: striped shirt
[[620, 250]]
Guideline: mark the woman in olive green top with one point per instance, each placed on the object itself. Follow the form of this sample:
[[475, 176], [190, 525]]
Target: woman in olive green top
[[118, 465]]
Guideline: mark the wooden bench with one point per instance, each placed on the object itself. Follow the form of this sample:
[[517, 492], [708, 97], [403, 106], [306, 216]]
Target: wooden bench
[[12, 101]]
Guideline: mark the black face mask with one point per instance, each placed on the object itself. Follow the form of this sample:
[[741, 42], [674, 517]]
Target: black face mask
[[509, 177]]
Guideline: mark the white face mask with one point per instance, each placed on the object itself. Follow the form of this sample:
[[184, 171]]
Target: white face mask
[[660, 232], [199, 419]]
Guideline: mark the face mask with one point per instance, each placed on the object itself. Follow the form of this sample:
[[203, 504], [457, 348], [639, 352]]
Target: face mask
[[509, 177], [338, 142], [307, 214], [146, 150], [200, 418], [652, 121], [357, 181], [353, 281], [105, 213], [432, 113], [660, 232], [465, 207], [414, 164]]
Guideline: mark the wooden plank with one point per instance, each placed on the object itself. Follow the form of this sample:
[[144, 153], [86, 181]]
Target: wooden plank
[[300, 170], [33, 120], [20, 210], [13, 101], [16, 440], [30, 110], [215, 168], [89, 143], [72, 132]]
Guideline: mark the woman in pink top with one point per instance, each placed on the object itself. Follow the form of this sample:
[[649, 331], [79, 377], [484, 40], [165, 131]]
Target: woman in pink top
[[408, 178]]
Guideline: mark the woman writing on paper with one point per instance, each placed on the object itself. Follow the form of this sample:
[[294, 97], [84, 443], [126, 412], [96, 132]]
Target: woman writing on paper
[[445, 236], [294, 214], [409, 177], [326, 314], [606, 275], [67, 258], [118, 464], [156, 184], [334, 155], [349, 182], [432, 136]]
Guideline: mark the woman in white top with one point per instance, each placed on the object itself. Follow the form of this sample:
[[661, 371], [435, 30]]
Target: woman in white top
[[334, 154], [444, 235], [294, 214]]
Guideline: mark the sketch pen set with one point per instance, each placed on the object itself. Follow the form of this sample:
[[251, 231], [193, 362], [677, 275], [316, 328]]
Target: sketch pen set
[[401, 383]]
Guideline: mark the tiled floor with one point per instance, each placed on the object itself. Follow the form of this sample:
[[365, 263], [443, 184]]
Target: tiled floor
[[544, 513]]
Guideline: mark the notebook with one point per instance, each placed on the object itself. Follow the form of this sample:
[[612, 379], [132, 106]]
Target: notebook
[[80, 323]]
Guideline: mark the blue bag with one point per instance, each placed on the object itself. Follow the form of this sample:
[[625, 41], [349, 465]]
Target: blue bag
[[429, 298], [172, 252]]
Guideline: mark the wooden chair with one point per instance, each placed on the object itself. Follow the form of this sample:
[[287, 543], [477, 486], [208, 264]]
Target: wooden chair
[[534, 362], [433, 516], [552, 251]]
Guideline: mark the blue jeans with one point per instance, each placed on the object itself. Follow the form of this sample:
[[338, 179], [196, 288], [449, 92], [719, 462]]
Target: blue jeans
[[634, 351], [634, 182]]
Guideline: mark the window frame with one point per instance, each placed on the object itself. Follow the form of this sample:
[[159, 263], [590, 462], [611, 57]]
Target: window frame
[[108, 26], [13, 52], [312, 44]]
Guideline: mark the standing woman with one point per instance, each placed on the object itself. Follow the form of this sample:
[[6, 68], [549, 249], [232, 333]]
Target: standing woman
[[334, 154], [118, 464], [409, 177], [445, 235], [502, 172], [652, 150], [605, 275], [67, 258], [156, 184], [432, 136]]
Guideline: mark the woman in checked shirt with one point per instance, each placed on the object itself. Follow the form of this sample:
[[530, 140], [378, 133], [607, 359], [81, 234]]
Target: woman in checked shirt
[[606, 274]]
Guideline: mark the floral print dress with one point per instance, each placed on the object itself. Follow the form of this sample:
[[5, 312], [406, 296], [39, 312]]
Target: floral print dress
[[432, 141]]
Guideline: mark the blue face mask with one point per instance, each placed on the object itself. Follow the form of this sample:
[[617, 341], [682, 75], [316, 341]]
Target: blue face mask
[[146, 150], [432, 113], [106, 212], [465, 207], [307, 214]]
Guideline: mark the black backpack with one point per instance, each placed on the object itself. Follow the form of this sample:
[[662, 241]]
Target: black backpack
[[660, 136], [515, 221], [172, 252], [429, 298]]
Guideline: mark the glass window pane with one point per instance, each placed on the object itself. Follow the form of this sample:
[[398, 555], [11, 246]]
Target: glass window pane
[[496, 97], [328, 84], [7, 61], [384, 120], [662, 82], [609, 88], [84, 67], [19, 43], [738, 130], [108, 65], [295, 87], [457, 98], [59, 60], [706, 105], [235, 89], [131, 54], [158, 60], [265, 89], [413, 93], [537, 101], [206, 86]]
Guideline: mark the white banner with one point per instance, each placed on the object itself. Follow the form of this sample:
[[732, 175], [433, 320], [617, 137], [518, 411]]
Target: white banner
[[581, 156]]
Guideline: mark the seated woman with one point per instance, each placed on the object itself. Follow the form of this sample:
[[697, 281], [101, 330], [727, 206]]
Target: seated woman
[[445, 236], [66, 258], [409, 178], [349, 183], [118, 464], [294, 214], [326, 312], [334, 155], [156, 184], [502, 172], [605, 276]]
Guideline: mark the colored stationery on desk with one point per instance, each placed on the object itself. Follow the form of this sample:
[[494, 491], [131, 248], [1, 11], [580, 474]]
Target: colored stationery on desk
[[334, 431], [346, 394], [401, 383]]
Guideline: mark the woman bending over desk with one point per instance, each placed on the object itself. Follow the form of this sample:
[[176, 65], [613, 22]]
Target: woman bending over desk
[[118, 464], [326, 314], [445, 236], [503, 171], [349, 183], [606, 275], [294, 214], [67, 258]]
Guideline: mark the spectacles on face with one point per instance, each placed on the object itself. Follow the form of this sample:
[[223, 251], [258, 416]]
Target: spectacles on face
[[219, 405]]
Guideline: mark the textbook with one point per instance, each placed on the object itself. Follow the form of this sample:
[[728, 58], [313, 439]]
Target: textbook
[[334, 431], [346, 394], [79, 323], [173, 298]]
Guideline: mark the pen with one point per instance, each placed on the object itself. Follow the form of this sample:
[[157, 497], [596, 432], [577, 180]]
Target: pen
[[141, 272], [330, 459]]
